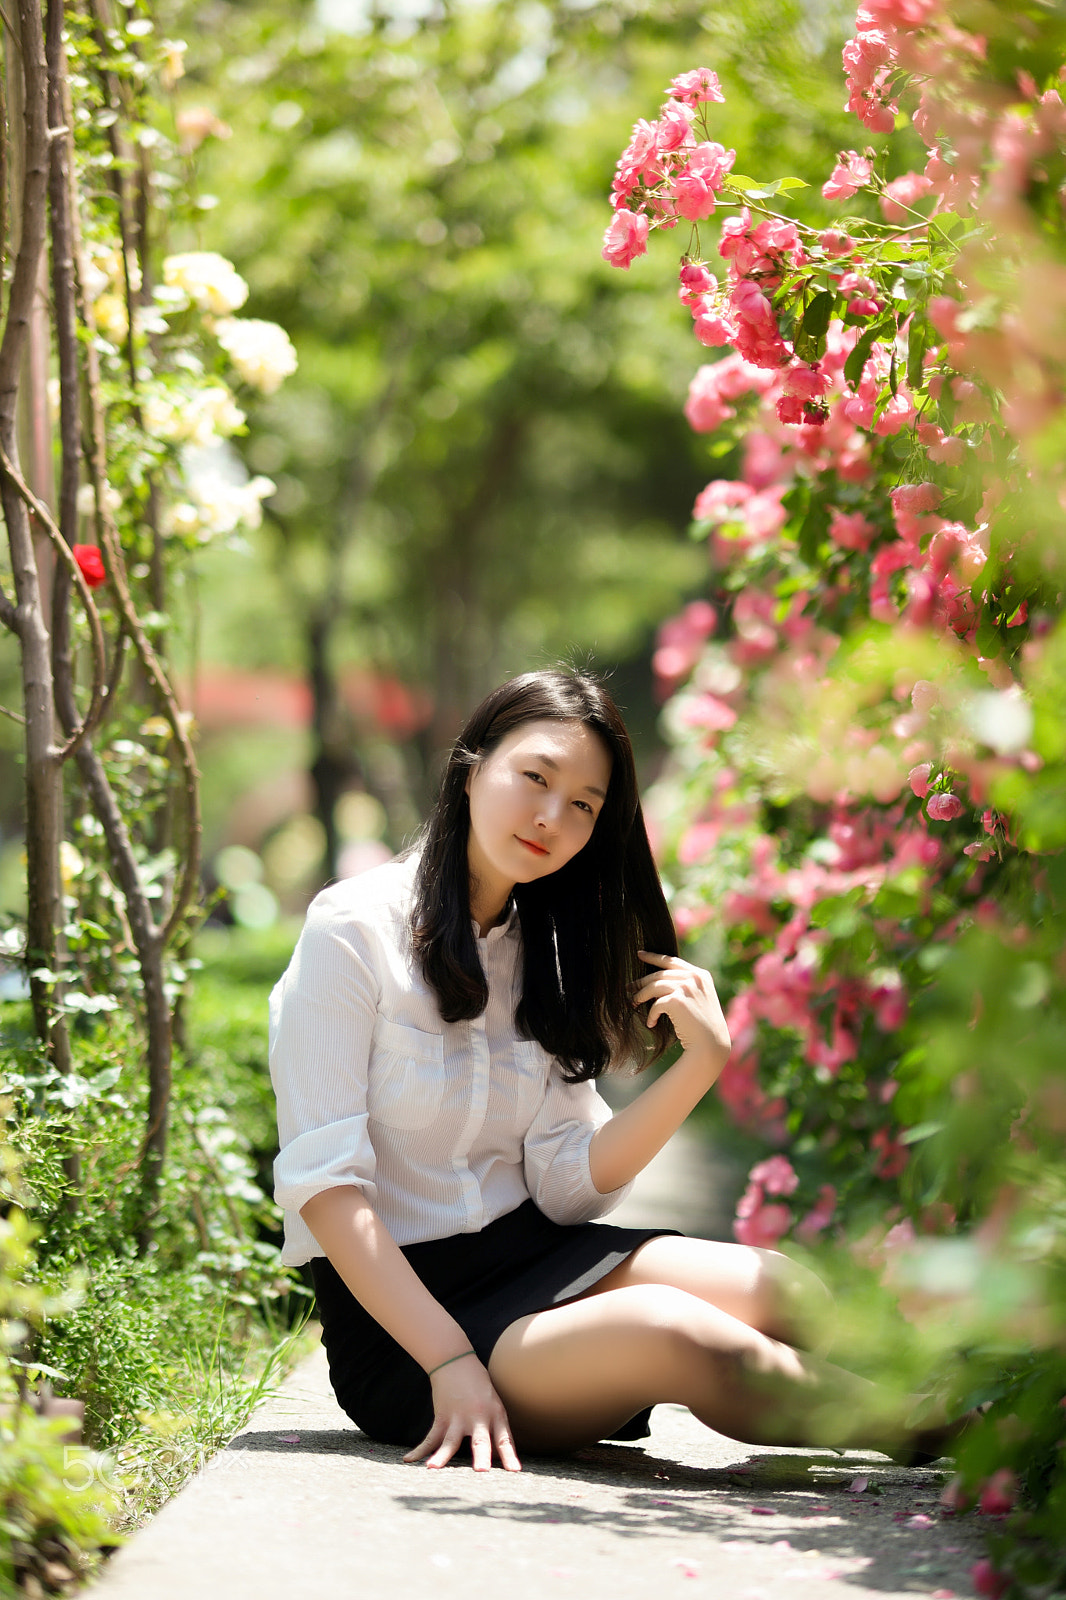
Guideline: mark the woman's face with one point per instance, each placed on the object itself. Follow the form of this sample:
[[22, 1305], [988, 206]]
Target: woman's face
[[534, 802]]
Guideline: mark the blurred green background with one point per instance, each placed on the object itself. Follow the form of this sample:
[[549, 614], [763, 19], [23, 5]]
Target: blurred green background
[[481, 464]]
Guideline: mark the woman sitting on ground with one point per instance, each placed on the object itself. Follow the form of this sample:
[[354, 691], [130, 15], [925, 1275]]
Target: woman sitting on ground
[[435, 1044]]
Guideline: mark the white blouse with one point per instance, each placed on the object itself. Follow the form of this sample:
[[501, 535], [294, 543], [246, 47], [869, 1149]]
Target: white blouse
[[445, 1126]]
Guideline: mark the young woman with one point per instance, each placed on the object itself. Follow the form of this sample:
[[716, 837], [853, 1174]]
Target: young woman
[[435, 1044]]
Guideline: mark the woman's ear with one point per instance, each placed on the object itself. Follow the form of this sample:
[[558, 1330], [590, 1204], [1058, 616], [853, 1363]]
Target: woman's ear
[[470, 772]]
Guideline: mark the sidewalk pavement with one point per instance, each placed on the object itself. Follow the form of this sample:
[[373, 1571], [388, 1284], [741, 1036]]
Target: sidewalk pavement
[[303, 1504]]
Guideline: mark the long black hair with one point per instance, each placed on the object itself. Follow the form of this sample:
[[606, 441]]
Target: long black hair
[[582, 925]]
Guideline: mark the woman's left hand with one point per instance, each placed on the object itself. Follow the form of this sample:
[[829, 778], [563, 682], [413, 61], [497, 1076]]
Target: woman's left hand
[[686, 994]]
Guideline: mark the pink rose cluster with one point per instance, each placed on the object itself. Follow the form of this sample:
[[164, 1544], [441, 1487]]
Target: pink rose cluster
[[926, 576], [679, 644], [666, 172], [762, 1221], [758, 255], [878, 49], [790, 991], [870, 59]]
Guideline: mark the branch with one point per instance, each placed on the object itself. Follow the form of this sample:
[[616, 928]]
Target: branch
[[96, 632], [107, 534], [117, 663], [15, 716], [24, 281], [61, 159], [3, 165]]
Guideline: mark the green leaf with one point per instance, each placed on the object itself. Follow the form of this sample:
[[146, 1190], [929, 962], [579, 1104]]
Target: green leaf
[[813, 530], [859, 356], [948, 223], [815, 323], [797, 500], [792, 183], [916, 345], [924, 1130]]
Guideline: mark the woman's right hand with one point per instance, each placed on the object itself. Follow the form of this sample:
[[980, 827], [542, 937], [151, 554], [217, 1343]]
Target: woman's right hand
[[466, 1406]]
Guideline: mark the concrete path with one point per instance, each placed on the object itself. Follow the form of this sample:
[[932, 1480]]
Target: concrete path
[[303, 1504]]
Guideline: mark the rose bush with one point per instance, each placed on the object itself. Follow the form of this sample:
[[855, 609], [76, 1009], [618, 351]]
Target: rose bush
[[863, 819]]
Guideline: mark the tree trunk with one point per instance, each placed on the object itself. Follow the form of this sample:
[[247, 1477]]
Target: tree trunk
[[43, 776]]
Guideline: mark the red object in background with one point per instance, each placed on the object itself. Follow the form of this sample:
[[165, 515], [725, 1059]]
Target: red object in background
[[228, 697], [91, 563]]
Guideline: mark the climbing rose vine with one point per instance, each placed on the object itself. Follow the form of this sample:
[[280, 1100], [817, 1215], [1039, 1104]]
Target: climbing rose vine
[[863, 820]]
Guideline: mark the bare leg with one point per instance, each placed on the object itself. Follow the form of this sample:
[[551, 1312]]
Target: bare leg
[[761, 1288], [573, 1374]]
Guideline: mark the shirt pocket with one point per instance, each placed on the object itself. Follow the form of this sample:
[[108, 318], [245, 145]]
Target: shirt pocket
[[405, 1080]]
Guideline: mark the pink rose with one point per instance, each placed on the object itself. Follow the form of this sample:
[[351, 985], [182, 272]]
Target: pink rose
[[763, 1227], [901, 14], [944, 313], [708, 712], [734, 230], [625, 239], [674, 128], [703, 174], [635, 158], [864, 56], [905, 190], [918, 778], [850, 530], [916, 498], [719, 498], [820, 1215], [808, 382], [847, 177], [835, 243], [713, 330], [999, 1493], [790, 409], [696, 281], [693, 87], [872, 105], [987, 1581], [777, 1175], [892, 1158], [899, 411], [944, 807], [758, 337]]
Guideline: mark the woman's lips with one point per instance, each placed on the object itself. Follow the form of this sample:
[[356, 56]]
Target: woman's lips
[[537, 849]]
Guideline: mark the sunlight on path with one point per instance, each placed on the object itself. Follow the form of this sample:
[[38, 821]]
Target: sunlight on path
[[303, 1504]]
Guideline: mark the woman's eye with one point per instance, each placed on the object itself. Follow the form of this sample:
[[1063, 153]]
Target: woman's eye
[[584, 805], [536, 776]]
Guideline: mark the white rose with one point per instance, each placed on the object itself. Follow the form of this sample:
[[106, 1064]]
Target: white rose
[[262, 352], [209, 280]]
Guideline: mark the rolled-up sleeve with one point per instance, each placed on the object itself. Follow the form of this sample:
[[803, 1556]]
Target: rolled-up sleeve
[[321, 1024], [557, 1153]]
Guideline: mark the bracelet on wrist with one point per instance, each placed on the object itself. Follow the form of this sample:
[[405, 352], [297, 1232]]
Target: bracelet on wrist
[[460, 1357]]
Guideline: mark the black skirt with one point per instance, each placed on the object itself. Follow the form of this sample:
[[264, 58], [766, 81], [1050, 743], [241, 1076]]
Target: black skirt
[[521, 1263]]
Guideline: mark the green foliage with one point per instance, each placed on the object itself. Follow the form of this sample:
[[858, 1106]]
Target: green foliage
[[480, 465], [54, 1501], [169, 1351], [863, 817]]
